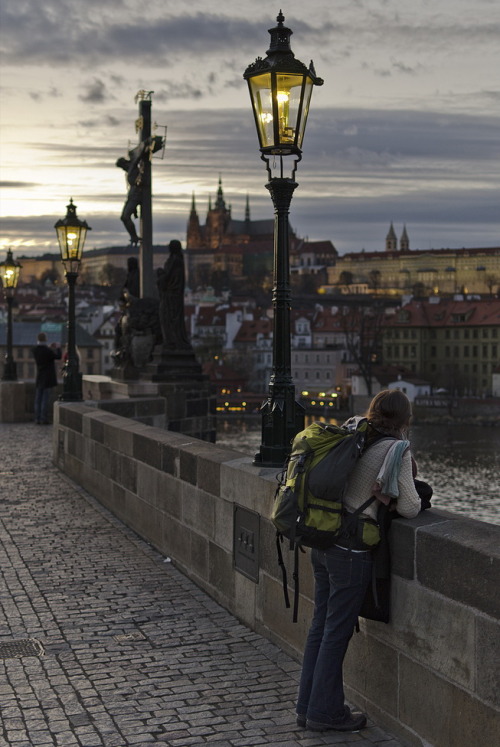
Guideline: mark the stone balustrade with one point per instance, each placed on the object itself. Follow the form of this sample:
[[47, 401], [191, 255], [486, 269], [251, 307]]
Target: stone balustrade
[[431, 676]]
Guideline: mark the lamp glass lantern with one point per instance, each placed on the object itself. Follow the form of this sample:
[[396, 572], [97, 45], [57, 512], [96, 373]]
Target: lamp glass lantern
[[280, 88], [9, 274], [71, 234], [281, 103]]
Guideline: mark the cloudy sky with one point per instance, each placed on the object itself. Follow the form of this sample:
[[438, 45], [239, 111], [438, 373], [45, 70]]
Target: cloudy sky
[[404, 129]]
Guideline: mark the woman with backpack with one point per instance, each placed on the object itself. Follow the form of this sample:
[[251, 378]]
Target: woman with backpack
[[342, 573]]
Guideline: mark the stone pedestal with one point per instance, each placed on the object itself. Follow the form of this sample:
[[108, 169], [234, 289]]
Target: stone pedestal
[[191, 404], [13, 402], [172, 365]]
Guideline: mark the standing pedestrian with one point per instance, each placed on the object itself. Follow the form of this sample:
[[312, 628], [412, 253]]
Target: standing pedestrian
[[342, 574], [46, 376]]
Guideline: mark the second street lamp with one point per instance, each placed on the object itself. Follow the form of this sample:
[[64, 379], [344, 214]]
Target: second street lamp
[[71, 234], [280, 89], [9, 275]]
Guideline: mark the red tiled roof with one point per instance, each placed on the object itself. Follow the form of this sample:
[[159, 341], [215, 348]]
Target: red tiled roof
[[447, 312]]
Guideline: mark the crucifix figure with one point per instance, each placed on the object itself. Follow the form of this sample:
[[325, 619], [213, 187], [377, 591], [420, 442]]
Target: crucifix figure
[[134, 166]]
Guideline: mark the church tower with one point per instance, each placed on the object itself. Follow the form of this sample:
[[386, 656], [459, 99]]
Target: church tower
[[391, 240], [218, 219], [193, 234], [404, 242]]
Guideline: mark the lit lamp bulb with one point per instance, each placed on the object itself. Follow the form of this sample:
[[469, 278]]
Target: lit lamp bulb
[[287, 134]]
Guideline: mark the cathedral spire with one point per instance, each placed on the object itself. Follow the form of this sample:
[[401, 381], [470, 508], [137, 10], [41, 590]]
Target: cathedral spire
[[220, 197], [404, 241], [391, 240]]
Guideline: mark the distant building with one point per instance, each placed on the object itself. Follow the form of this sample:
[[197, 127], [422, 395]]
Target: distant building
[[224, 249], [453, 343], [401, 271]]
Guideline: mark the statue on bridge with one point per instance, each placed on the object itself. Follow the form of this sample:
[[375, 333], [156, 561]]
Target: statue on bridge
[[138, 329], [171, 281]]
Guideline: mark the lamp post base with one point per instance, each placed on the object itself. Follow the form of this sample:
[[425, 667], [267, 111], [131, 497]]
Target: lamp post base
[[72, 387]]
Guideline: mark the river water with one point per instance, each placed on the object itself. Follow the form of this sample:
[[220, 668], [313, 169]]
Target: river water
[[461, 462]]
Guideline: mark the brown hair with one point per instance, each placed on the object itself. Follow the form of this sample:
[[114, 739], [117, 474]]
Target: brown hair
[[390, 411], [41, 337]]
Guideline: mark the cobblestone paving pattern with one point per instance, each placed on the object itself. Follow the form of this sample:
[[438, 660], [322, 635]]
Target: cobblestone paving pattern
[[184, 672]]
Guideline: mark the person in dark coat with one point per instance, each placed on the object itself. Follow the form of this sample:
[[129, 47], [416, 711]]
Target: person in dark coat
[[46, 376]]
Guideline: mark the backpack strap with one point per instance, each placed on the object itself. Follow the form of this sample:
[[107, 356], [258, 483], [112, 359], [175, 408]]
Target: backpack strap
[[296, 583], [359, 510], [279, 540]]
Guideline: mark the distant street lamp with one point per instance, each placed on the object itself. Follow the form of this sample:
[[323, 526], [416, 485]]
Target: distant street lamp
[[9, 274], [280, 89], [71, 234]]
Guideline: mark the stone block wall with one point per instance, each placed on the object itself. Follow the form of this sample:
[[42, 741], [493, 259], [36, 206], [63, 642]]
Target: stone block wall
[[431, 676]]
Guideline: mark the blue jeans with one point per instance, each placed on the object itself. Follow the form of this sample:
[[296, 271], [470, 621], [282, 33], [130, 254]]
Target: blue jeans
[[42, 401], [341, 580]]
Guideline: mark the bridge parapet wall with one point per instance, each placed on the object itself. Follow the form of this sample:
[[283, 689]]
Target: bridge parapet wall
[[431, 677]]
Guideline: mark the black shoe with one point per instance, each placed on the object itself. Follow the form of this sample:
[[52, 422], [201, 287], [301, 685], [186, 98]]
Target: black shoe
[[301, 720], [350, 722]]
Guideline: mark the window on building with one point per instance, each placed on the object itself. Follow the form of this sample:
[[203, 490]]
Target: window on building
[[485, 333], [447, 334]]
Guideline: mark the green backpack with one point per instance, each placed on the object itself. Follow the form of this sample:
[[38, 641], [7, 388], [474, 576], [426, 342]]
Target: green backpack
[[308, 506]]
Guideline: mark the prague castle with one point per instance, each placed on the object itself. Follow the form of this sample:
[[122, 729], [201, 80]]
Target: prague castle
[[399, 270]]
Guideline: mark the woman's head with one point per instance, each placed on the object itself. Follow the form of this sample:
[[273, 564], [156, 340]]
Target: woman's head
[[390, 410]]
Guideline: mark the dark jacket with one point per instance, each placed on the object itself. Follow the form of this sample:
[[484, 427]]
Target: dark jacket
[[46, 376]]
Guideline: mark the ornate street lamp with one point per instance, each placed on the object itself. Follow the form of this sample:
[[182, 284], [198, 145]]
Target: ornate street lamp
[[9, 274], [71, 234], [280, 89]]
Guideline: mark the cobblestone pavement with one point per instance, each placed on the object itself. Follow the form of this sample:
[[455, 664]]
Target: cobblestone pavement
[[133, 652]]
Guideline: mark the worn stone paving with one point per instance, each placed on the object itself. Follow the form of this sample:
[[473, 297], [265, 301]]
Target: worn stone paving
[[133, 652]]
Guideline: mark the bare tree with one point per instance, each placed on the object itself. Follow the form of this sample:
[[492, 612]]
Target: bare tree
[[491, 280], [362, 327]]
